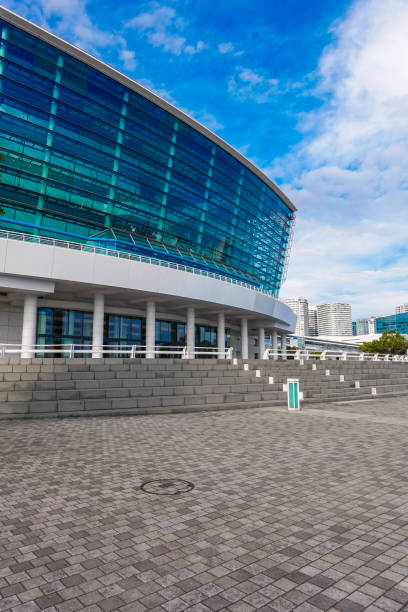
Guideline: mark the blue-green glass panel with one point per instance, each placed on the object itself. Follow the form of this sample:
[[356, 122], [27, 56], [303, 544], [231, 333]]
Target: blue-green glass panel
[[84, 154]]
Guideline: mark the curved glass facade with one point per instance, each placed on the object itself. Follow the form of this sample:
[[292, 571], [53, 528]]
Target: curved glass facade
[[88, 159], [56, 326]]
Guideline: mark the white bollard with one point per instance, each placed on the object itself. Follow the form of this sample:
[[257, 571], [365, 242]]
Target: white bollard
[[270, 380], [357, 384], [257, 373], [246, 366], [373, 391], [327, 372], [314, 367], [302, 362], [341, 377], [235, 361]]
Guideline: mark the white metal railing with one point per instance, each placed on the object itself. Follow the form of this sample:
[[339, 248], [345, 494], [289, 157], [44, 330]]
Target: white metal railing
[[203, 350], [330, 354], [129, 350], [361, 356], [185, 352], [341, 355], [288, 353], [88, 248]]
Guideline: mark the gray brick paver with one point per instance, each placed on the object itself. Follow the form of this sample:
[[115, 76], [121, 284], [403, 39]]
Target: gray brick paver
[[289, 512], [31, 606]]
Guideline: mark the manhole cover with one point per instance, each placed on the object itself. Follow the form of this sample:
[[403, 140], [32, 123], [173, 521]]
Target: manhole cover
[[167, 486]]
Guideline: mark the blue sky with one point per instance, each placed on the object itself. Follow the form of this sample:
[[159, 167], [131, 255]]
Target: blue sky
[[314, 92]]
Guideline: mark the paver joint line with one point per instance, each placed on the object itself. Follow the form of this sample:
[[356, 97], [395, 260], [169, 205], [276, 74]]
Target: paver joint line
[[303, 511]]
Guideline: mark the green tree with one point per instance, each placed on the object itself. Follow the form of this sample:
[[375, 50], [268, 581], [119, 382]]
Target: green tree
[[391, 342]]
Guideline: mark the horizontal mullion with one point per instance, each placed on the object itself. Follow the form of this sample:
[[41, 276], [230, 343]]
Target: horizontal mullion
[[159, 219], [122, 190], [209, 224], [248, 173], [226, 266], [60, 127], [149, 128]]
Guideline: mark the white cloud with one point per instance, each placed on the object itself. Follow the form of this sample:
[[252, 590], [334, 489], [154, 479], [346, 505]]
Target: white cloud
[[342, 264], [226, 47], [244, 148], [206, 118], [350, 181], [164, 29], [128, 58], [71, 21], [201, 115], [160, 91], [192, 49], [246, 84], [366, 77]]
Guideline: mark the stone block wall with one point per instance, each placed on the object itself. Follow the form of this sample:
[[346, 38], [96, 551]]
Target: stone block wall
[[11, 323]]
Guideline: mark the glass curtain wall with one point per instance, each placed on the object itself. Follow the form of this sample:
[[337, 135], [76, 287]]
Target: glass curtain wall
[[397, 322], [90, 160], [70, 327], [121, 331], [74, 327]]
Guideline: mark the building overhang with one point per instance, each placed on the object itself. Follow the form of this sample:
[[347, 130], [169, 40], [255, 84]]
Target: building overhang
[[22, 284], [75, 274]]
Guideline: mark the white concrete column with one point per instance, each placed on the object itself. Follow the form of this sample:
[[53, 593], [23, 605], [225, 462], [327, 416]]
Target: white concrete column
[[150, 330], [275, 342], [28, 337], [190, 332], [283, 345], [261, 342], [221, 333], [98, 325], [244, 338]]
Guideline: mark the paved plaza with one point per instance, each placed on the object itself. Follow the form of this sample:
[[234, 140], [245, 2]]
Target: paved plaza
[[304, 511]]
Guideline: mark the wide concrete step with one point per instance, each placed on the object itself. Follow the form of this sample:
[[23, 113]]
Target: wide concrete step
[[75, 365], [378, 388], [84, 408], [68, 387], [329, 382], [171, 363], [49, 373], [233, 405], [176, 394], [231, 377], [160, 387], [34, 376], [270, 367]]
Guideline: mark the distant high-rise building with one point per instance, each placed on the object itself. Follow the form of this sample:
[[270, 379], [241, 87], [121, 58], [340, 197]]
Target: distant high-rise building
[[300, 307], [398, 322], [334, 319], [401, 309], [313, 330], [354, 325], [371, 325], [361, 327]]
